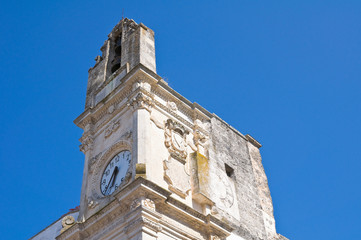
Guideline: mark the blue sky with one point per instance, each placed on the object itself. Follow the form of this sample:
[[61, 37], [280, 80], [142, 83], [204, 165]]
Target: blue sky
[[286, 72]]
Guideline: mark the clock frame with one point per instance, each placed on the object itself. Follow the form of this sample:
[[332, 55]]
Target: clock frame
[[102, 163], [115, 171]]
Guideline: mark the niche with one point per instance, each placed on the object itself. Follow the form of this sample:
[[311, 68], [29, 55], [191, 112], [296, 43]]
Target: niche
[[116, 62]]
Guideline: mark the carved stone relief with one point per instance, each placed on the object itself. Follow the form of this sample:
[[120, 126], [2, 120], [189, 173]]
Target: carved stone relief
[[176, 172], [67, 222], [112, 127], [146, 203], [215, 237], [141, 101], [86, 143], [175, 139], [92, 203], [200, 138], [172, 106]]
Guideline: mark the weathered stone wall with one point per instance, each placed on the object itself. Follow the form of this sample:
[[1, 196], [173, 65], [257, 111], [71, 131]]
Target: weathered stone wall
[[229, 147], [263, 191]]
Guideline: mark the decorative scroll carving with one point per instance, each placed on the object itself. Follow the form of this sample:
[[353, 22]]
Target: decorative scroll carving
[[67, 222], [112, 128]]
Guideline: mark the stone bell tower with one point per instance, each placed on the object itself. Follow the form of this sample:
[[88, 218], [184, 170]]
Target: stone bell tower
[[158, 166]]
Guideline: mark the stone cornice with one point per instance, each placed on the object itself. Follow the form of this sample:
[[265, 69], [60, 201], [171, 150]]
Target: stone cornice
[[159, 88], [253, 141], [149, 196]]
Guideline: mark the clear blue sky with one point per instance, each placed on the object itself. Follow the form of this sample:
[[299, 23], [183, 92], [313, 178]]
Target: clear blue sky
[[286, 72]]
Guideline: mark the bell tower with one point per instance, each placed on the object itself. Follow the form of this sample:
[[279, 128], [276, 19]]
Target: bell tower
[[158, 166]]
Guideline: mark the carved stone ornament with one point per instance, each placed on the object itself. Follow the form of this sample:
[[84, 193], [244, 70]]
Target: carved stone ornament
[[200, 139], [175, 139], [215, 237], [86, 143], [113, 126], [136, 203], [142, 85], [141, 101], [67, 222], [146, 203], [172, 106], [92, 203], [176, 172], [111, 109], [92, 161]]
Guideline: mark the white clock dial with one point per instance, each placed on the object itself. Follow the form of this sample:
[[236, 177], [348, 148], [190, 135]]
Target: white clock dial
[[115, 172]]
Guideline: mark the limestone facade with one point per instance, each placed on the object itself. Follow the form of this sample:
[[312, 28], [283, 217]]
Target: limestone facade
[[191, 175]]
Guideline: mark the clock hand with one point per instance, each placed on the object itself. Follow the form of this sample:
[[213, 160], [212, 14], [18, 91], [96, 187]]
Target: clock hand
[[108, 186], [112, 179], [116, 170]]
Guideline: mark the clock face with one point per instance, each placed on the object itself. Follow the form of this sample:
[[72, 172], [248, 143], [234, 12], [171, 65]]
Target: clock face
[[115, 172]]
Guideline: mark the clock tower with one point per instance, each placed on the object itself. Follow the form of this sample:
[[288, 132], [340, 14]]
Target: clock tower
[[158, 166]]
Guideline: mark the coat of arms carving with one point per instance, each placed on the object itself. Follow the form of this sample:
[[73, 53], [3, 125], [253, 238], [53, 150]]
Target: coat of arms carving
[[176, 173]]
